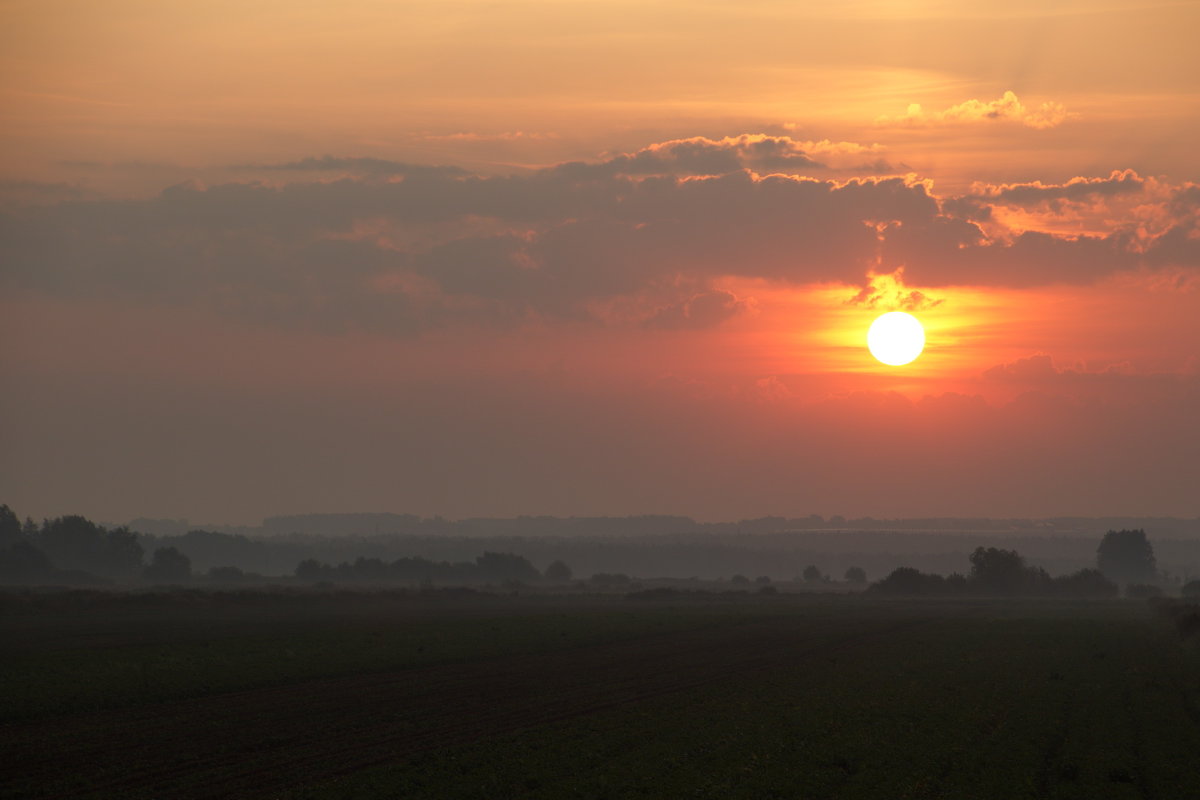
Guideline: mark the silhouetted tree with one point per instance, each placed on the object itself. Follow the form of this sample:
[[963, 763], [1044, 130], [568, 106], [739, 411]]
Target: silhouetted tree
[[10, 527], [741, 580], [506, 567], [764, 579], [812, 574], [1085, 583], [907, 580], [23, 563], [76, 543], [122, 553], [856, 575], [311, 570], [996, 571], [611, 579], [226, 575], [1143, 590], [169, 566], [1127, 557], [558, 572], [370, 569]]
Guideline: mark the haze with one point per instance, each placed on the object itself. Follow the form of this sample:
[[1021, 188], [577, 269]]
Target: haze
[[598, 258]]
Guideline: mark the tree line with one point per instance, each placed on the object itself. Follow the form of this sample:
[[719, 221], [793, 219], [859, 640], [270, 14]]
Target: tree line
[[487, 568], [1123, 558], [73, 549]]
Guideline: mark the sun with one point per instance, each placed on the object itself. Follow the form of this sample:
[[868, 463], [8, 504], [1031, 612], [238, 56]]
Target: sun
[[896, 338]]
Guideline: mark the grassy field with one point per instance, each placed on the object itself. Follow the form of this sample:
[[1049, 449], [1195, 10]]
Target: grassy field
[[445, 695]]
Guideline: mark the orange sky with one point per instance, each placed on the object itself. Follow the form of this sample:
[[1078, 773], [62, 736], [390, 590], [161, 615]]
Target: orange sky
[[463, 258]]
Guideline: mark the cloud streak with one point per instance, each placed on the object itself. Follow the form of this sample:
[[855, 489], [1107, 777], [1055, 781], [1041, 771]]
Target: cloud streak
[[1007, 108]]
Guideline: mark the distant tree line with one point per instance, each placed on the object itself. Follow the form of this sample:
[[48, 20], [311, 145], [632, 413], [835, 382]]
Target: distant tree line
[[74, 550], [1123, 557], [997, 572], [487, 568]]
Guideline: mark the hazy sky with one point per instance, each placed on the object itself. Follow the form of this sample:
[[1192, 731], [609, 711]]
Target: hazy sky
[[598, 257]]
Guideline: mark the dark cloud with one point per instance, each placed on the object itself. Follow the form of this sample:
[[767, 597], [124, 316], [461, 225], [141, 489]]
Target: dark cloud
[[702, 156], [1033, 369], [1040, 370], [703, 310], [1178, 246], [441, 246], [948, 251], [1077, 189]]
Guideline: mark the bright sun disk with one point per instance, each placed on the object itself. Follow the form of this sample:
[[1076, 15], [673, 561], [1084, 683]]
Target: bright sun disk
[[896, 338]]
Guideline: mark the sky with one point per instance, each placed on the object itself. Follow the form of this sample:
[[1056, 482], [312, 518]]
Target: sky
[[585, 257]]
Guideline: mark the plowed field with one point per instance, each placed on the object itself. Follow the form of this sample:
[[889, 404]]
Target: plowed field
[[792, 698]]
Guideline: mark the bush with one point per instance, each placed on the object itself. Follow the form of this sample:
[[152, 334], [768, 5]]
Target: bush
[[169, 566], [226, 575], [856, 575], [658, 593], [1085, 583], [907, 580], [558, 572], [1143, 591], [611, 579], [1126, 556], [1191, 589]]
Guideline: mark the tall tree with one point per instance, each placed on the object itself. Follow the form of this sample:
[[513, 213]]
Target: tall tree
[[10, 527], [997, 571], [76, 543], [169, 566], [1127, 557]]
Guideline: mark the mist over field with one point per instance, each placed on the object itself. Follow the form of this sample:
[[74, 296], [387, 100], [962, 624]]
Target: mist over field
[[675, 547], [383, 655]]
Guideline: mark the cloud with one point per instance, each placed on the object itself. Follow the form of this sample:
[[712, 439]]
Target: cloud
[[703, 310], [761, 153], [1040, 370], [1032, 369], [1008, 108], [889, 292], [444, 247], [1080, 189]]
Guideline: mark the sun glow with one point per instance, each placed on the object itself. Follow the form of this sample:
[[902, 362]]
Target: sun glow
[[896, 338]]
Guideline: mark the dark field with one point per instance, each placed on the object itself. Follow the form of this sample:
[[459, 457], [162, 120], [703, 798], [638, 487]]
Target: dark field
[[445, 695]]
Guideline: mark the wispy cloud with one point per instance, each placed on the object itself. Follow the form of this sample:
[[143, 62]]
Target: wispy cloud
[[1008, 108]]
